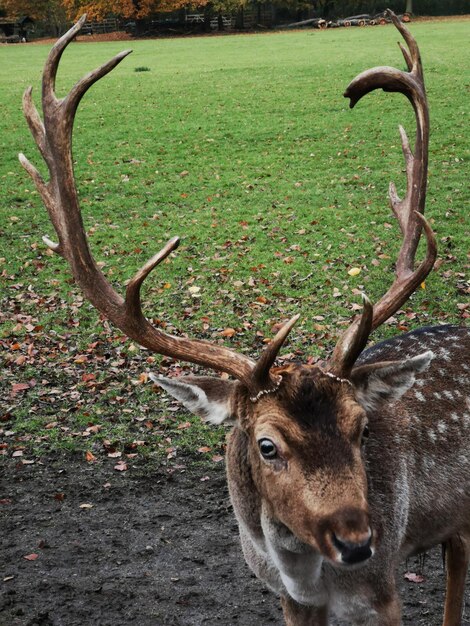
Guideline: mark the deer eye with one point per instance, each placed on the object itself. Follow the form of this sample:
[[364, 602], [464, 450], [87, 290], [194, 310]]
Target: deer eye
[[267, 448], [365, 434]]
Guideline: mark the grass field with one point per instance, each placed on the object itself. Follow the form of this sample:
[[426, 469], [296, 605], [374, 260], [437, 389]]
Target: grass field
[[245, 147]]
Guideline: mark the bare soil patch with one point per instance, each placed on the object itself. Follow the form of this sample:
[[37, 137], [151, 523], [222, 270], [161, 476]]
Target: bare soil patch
[[154, 546], [441, 18], [116, 36]]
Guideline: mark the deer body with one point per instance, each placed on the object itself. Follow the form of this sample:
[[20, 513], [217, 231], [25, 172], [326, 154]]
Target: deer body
[[336, 471], [417, 462]]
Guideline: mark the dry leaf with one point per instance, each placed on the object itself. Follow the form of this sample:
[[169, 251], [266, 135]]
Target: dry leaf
[[414, 578], [228, 332], [354, 271]]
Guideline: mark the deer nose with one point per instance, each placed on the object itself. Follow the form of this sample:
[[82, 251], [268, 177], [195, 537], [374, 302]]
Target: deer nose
[[353, 552]]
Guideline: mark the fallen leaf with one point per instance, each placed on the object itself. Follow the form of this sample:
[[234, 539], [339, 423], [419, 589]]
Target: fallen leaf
[[228, 332], [414, 578], [204, 449], [121, 466], [354, 271], [90, 457], [87, 377], [31, 557], [86, 505], [194, 290], [16, 387]]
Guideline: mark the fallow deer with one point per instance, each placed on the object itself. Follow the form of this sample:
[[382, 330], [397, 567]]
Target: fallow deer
[[336, 470]]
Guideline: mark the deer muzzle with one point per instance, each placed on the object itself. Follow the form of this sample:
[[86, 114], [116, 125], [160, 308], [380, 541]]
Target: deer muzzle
[[350, 536]]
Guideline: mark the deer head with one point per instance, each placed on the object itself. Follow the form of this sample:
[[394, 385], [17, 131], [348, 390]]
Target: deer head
[[303, 425]]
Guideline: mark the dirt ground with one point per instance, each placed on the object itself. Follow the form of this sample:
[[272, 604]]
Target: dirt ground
[[153, 546]]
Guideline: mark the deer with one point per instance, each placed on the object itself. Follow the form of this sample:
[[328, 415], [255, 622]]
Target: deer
[[337, 469]]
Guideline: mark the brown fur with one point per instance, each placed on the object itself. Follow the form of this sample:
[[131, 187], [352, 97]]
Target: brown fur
[[334, 485]]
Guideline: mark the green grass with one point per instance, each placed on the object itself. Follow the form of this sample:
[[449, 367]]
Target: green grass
[[245, 147]]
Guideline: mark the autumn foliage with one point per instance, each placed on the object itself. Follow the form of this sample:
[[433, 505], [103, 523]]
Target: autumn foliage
[[38, 10], [95, 9], [135, 9]]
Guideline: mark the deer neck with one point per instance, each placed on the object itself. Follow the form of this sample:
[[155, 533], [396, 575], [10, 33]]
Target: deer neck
[[298, 564]]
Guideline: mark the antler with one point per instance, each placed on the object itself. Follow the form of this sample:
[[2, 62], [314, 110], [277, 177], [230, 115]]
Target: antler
[[409, 210], [59, 194]]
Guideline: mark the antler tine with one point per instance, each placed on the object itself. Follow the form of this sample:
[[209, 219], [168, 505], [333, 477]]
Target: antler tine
[[133, 287], [52, 62], [413, 58], [353, 341], [409, 210], [34, 121], [77, 92], [266, 361], [406, 283], [59, 194]]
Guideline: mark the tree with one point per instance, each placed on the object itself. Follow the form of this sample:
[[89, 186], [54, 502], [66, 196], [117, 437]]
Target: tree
[[38, 10], [51, 12], [127, 9], [409, 6]]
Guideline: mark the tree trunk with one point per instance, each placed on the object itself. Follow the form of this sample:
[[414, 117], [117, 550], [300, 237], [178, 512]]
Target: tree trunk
[[409, 6]]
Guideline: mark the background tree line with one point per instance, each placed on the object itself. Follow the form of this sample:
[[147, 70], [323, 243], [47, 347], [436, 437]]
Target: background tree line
[[57, 13]]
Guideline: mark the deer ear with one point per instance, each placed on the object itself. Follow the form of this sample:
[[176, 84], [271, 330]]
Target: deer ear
[[209, 398], [378, 383]]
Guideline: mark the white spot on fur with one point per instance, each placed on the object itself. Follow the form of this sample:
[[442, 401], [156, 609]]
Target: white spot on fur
[[432, 436], [445, 354], [419, 396], [437, 395], [448, 394], [442, 427]]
